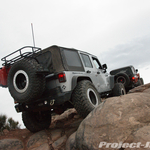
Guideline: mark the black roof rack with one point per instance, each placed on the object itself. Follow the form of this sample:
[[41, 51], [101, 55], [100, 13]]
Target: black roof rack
[[21, 55]]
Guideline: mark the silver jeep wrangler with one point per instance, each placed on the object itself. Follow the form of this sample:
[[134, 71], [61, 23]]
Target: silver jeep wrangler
[[55, 78]]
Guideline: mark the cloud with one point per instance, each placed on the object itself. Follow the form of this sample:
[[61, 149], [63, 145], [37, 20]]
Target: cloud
[[135, 52]]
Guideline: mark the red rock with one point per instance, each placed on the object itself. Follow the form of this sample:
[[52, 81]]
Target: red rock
[[37, 139], [55, 134], [60, 142], [44, 146], [11, 144], [114, 121]]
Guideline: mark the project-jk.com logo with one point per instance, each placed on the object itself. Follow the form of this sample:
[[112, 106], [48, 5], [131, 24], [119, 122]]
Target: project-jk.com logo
[[124, 145]]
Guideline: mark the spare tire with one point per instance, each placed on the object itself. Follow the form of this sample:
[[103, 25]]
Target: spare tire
[[122, 78], [24, 83]]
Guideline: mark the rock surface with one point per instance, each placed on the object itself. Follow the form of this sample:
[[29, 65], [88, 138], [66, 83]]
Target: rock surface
[[118, 119], [54, 138], [13, 144]]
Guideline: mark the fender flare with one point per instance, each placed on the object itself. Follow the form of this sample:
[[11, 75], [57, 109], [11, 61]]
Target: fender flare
[[76, 79]]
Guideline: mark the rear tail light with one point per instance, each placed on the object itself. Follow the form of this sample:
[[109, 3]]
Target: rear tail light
[[62, 77], [135, 79], [3, 76]]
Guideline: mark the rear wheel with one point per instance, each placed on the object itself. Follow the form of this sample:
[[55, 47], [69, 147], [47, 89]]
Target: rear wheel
[[85, 97], [23, 81], [118, 89], [36, 121], [142, 81], [122, 78], [138, 83]]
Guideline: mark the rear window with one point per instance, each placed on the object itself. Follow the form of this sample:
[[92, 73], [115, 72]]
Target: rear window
[[73, 60]]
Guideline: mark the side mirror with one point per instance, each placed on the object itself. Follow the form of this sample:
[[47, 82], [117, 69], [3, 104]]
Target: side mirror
[[104, 66], [136, 70]]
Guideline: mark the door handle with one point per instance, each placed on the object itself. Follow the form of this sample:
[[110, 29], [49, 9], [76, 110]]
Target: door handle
[[98, 72], [88, 71]]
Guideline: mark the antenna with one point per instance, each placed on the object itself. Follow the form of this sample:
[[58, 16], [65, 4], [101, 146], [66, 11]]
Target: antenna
[[33, 34]]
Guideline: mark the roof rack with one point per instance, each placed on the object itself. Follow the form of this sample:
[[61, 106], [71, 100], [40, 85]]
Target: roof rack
[[21, 55]]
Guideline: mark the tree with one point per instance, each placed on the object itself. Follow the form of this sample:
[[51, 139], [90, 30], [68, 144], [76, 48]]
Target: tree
[[2, 122], [8, 124]]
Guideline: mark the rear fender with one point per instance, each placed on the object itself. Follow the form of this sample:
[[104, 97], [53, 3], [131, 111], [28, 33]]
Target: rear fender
[[3, 76], [76, 79]]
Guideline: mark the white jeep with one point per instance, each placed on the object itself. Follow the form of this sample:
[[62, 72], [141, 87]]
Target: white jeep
[[55, 78]]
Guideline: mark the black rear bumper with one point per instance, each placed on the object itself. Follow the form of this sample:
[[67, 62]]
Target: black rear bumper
[[50, 102]]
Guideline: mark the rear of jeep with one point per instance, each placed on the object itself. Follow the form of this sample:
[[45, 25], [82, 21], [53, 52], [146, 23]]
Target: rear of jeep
[[127, 76], [55, 78], [44, 80], [37, 81]]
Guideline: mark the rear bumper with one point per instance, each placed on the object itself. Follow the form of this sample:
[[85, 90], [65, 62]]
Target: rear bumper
[[50, 102]]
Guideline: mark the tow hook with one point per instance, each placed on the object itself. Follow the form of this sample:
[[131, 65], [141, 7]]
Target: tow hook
[[52, 102]]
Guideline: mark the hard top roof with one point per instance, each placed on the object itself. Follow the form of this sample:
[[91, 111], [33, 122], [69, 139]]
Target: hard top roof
[[123, 68]]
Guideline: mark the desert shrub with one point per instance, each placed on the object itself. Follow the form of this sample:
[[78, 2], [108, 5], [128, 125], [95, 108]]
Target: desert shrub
[[8, 123]]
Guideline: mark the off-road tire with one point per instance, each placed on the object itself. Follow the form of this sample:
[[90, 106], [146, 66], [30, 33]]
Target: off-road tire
[[138, 83], [24, 84], [122, 78], [142, 81], [36, 121], [118, 89], [85, 98]]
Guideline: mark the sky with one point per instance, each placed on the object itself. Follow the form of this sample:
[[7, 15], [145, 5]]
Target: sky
[[117, 32]]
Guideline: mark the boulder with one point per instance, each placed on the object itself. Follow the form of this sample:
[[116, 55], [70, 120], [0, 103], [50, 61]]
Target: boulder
[[118, 119], [141, 136], [140, 88], [13, 144], [122, 119], [60, 142], [44, 146], [37, 140], [55, 134], [71, 142]]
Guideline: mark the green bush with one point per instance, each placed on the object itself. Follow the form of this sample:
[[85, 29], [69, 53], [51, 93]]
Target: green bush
[[8, 124]]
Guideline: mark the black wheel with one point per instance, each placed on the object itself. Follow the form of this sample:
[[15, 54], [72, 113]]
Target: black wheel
[[122, 78], [118, 89], [142, 81], [85, 98], [138, 83], [36, 121], [23, 82]]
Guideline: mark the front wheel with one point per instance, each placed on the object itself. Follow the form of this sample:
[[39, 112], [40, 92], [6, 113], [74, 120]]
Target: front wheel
[[36, 121], [85, 98], [118, 89]]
